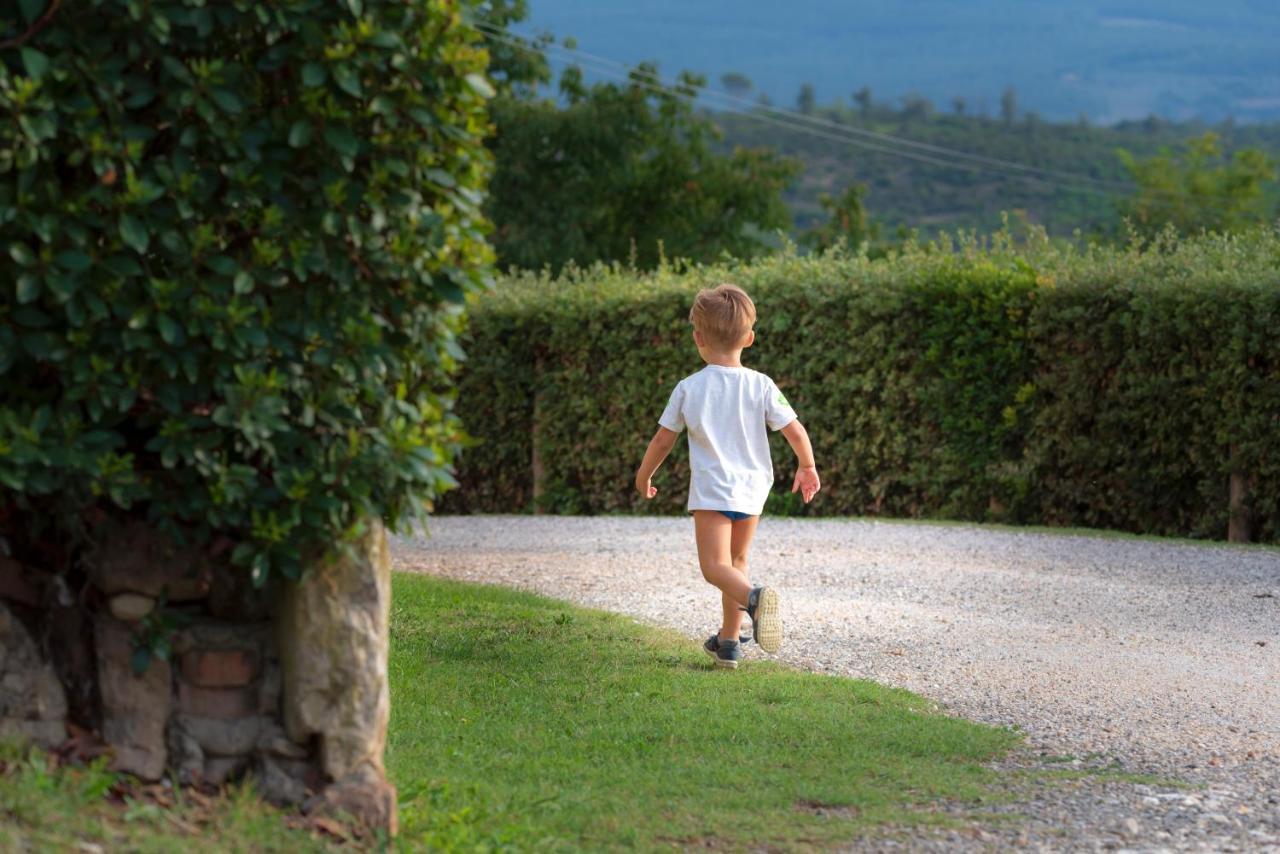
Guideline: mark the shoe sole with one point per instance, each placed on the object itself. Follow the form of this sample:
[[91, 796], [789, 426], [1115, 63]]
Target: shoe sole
[[767, 621]]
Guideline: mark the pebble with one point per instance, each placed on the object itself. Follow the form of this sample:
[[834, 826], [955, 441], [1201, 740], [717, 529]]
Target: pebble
[[130, 607], [1128, 657]]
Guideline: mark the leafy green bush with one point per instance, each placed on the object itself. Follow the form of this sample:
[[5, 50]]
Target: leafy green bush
[[1157, 378], [237, 240], [1105, 387]]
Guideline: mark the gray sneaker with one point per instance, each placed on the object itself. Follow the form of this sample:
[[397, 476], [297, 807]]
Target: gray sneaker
[[727, 653], [766, 618]]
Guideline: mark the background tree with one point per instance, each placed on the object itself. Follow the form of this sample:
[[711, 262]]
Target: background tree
[[1009, 105], [619, 171], [847, 221], [805, 100], [737, 85], [959, 105], [863, 99], [616, 171], [916, 108], [1200, 188], [517, 67]]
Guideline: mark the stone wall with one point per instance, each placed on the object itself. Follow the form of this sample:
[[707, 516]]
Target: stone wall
[[287, 685]]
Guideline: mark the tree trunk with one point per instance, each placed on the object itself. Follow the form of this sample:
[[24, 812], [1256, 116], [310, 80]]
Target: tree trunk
[[1238, 509], [538, 471]]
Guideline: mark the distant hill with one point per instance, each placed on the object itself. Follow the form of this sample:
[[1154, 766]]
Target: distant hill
[[1107, 59], [914, 194]]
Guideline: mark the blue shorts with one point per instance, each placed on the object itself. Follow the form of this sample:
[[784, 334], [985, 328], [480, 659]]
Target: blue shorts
[[735, 516]]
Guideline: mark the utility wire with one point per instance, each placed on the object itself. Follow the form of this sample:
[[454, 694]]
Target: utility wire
[[646, 81], [817, 121], [817, 126]]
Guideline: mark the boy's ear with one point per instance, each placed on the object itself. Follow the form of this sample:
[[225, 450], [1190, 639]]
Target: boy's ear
[[697, 338], [751, 338]]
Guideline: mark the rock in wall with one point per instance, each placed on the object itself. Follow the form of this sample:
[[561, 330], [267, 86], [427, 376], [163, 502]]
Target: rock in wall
[[333, 634], [33, 706]]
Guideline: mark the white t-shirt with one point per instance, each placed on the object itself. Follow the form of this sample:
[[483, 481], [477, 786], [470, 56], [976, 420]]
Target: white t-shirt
[[726, 411]]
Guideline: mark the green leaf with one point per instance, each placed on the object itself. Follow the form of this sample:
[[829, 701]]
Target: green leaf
[[227, 100], [40, 345], [32, 9], [73, 260], [63, 287], [123, 265], [480, 85], [134, 233], [222, 265], [300, 133], [312, 74], [242, 554], [177, 69], [170, 331], [342, 140], [35, 62], [22, 254], [28, 288], [348, 81], [442, 177], [243, 283], [259, 569]]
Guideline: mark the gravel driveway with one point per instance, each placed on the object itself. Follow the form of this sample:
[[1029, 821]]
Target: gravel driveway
[[1156, 657]]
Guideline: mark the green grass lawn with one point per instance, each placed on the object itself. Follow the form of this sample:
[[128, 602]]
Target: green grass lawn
[[519, 720], [523, 723]]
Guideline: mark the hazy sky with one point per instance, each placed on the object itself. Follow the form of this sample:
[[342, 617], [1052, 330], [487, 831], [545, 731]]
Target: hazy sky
[[1108, 59]]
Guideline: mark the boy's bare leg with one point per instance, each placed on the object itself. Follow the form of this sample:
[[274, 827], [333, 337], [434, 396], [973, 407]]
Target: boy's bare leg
[[714, 534], [743, 531]]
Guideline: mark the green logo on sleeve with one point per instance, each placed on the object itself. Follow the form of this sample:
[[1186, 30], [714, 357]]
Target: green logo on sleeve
[[783, 401]]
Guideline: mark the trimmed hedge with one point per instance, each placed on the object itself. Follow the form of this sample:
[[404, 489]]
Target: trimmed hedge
[[1114, 388]]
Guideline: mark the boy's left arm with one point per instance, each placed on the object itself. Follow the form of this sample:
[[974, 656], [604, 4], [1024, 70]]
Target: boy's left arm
[[659, 446], [806, 481]]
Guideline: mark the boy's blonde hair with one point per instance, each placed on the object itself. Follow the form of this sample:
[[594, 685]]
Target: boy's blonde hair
[[724, 315]]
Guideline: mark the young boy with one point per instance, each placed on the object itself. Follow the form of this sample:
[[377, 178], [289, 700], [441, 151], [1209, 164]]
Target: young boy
[[727, 408]]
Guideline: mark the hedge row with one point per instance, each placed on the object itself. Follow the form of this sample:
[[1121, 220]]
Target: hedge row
[[1112, 388]]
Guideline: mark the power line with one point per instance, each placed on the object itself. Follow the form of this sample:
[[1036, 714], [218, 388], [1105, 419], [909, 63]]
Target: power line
[[810, 125], [841, 133], [670, 90], [839, 127]]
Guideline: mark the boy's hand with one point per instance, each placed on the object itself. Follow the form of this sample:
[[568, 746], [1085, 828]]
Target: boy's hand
[[645, 487], [806, 483]]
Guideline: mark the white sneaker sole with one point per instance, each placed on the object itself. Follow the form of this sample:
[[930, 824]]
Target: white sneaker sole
[[767, 622]]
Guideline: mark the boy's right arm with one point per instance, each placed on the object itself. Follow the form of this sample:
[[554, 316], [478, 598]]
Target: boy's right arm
[[659, 446], [806, 481]]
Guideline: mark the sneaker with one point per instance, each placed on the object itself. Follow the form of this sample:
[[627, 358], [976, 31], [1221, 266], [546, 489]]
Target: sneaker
[[727, 653], [766, 618]]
